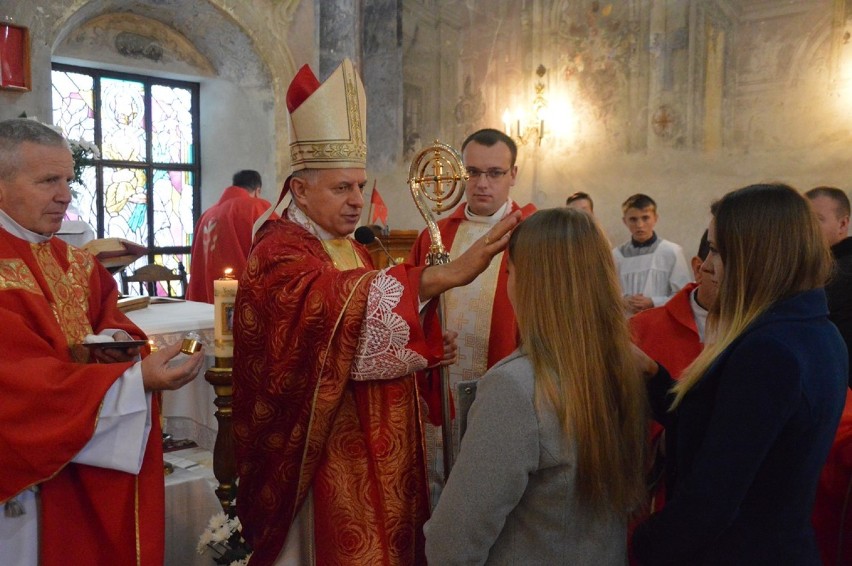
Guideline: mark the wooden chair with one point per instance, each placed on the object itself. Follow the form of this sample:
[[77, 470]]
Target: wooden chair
[[149, 275]]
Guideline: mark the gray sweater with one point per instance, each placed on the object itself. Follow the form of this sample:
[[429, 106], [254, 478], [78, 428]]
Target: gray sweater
[[510, 498]]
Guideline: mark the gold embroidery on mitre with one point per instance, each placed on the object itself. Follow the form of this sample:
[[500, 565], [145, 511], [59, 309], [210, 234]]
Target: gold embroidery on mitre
[[327, 130], [15, 275], [69, 289], [353, 109]]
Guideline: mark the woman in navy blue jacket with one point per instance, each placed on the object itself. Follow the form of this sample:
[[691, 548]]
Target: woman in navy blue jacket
[[750, 423]]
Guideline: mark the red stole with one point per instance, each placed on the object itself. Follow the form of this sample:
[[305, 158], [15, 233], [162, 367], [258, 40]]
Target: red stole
[[50, 406], [300, 422]]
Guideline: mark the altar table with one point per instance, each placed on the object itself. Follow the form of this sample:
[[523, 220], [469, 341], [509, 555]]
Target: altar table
[[190, 502], [189, 411]]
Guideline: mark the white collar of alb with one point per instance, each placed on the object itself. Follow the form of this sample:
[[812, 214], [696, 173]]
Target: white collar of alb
[[297, 215], [493, 219], [19, 231]]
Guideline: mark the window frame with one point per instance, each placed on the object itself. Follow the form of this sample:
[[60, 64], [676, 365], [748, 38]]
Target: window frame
[[148, 165]]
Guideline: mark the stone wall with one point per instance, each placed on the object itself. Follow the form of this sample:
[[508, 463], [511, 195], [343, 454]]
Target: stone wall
[[239, 52], [681, 99]]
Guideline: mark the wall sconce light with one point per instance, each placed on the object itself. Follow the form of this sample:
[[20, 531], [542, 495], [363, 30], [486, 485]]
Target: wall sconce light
[[527, 130]]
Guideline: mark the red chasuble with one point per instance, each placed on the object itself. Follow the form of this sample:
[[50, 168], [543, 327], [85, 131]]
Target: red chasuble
[[303, 419], [51, 296], [222, 239]]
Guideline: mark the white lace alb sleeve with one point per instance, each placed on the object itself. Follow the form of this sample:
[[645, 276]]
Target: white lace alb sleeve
[[382, 351]]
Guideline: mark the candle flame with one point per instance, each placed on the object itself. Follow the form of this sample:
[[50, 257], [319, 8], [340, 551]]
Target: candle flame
[[229, 273]]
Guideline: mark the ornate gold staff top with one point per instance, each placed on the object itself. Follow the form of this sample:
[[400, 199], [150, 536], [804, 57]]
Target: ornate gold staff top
[[437, 175]]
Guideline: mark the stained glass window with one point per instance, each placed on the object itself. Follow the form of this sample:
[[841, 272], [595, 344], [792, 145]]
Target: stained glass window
[[171, 113], [123, 120], [144, 187]]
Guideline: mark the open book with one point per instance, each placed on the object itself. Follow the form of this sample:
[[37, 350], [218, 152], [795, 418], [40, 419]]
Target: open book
[[115, 253]]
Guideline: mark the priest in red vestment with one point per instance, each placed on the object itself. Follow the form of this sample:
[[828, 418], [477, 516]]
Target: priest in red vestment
[[832, 517], [80, 443], [222, 236], [326, 414], [673, 334], [479, 312]]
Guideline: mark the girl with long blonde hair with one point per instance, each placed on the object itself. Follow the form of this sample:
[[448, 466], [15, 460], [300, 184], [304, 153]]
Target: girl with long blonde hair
[[752, 419], [551, 464]]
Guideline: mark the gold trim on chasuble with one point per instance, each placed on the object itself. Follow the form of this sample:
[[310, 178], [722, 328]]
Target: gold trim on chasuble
[[69, 289], [15, 275], [137, 520], [342, 254], [469, 312]]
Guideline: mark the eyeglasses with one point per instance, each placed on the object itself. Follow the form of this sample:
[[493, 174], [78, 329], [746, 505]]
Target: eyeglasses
[[492, 174]]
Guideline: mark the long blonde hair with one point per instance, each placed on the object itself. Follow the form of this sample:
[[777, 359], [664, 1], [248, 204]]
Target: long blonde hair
[[771, 248], [568, 306]]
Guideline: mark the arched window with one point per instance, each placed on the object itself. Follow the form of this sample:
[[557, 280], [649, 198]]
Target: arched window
[[145, 185]]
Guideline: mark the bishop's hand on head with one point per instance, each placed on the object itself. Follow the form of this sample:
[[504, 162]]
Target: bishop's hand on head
[[464, 269]]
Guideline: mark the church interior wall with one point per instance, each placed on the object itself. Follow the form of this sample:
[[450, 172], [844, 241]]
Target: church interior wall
[[680, 99], [233, 51]]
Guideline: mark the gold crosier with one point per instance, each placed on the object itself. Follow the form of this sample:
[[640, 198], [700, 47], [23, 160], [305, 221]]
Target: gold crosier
[[437, 176]]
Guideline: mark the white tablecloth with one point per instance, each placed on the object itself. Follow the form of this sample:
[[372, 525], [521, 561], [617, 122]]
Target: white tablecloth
[[189, 411], [190, 502], [173, 317]]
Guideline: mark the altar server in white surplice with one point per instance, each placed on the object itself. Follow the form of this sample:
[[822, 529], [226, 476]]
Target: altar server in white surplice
[[650, 268]]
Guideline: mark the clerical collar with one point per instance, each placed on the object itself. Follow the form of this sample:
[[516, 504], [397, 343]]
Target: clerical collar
[[647, 243], [19, 231], [297, 215], [699, 313], [493, 219]]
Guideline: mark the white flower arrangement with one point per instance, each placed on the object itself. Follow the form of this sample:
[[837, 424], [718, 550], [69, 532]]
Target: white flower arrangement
[[223, 536], [80, 150]]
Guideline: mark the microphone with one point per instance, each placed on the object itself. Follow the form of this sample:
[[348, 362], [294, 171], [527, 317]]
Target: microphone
[[365, 235]]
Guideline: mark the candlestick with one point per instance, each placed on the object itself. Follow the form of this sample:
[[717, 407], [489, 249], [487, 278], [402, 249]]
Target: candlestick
[[224, 295], [507, 122]]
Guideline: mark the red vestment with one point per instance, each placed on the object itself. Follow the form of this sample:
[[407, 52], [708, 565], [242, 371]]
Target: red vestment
[[301, 419], [51, 296], [503, 330], [669, 335], [504, 334], [833, 504], [222, 239]]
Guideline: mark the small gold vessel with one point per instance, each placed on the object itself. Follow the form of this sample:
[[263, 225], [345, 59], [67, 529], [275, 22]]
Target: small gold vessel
[[191, 344]]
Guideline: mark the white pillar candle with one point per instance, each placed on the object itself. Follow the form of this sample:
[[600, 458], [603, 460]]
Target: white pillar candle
[[224, 295]]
